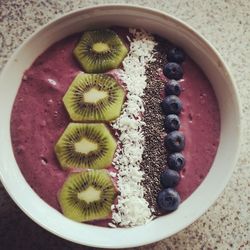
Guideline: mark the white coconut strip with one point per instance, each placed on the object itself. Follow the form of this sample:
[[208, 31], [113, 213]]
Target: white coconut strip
[[132, 208]]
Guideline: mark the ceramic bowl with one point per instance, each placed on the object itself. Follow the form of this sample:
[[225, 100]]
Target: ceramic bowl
[[199, 50]]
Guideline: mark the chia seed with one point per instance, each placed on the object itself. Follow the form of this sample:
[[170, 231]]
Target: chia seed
[[155, 154]]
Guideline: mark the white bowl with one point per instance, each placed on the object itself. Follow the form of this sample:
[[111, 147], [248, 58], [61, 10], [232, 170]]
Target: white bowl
[[202, 53]]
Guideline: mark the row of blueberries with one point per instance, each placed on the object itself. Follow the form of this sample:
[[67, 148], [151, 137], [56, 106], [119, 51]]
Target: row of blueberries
[[168, 199]]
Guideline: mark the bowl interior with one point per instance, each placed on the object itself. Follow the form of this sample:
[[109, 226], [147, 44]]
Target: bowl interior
[[201, 52]]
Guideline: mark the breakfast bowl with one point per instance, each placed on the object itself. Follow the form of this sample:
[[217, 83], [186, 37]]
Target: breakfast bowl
[[198, 49]]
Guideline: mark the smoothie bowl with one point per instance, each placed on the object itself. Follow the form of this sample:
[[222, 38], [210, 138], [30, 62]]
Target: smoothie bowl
[[120, 127]]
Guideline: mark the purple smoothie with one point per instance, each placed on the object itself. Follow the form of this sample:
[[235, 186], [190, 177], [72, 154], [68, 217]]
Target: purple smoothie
[[200, 123], [39, 118]]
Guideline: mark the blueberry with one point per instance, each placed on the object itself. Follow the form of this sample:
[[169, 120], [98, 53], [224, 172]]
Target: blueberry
[[174, 141], [176, 55], [168, 200], [176, 161], [172, 122], [172, 105], [173, 71], [172, 87], [169, 178]]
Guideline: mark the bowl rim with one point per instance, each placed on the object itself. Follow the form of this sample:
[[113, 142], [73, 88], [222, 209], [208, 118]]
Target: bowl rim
[[233, 85]]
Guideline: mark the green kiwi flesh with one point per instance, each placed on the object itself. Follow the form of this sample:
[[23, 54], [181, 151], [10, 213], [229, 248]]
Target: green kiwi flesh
[[94, 97], [85, 145], [100, 50], [87, 195]]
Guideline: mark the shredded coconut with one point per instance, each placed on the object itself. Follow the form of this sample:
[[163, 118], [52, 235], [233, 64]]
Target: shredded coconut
[[112, 174], [112, 225], [132, 209]]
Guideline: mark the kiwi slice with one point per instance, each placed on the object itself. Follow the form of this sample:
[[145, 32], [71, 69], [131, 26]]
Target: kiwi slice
[[87, 195], [100, 50], [94, 97], [85, 145]]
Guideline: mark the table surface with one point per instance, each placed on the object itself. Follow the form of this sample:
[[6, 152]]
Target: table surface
[[226, 24]]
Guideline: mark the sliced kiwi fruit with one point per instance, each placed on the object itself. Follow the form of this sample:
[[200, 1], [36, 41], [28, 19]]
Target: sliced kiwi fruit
[[85, 145], [87, 195], [100, 50], [94, 97]]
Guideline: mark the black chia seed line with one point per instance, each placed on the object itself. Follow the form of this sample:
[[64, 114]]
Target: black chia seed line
[[154, 155]]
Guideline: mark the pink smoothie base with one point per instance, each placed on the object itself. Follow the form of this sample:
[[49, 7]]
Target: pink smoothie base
[[39, 118]]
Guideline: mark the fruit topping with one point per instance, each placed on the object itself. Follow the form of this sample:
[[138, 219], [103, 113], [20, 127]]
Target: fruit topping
[[172, 122], [174, 141], [173, 71], [100, 50], [176, 161], [85, 145], [168, 200], [87, 195], [169, 178], [171, 105], [172, 87], [94, 97], [176, 55]]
